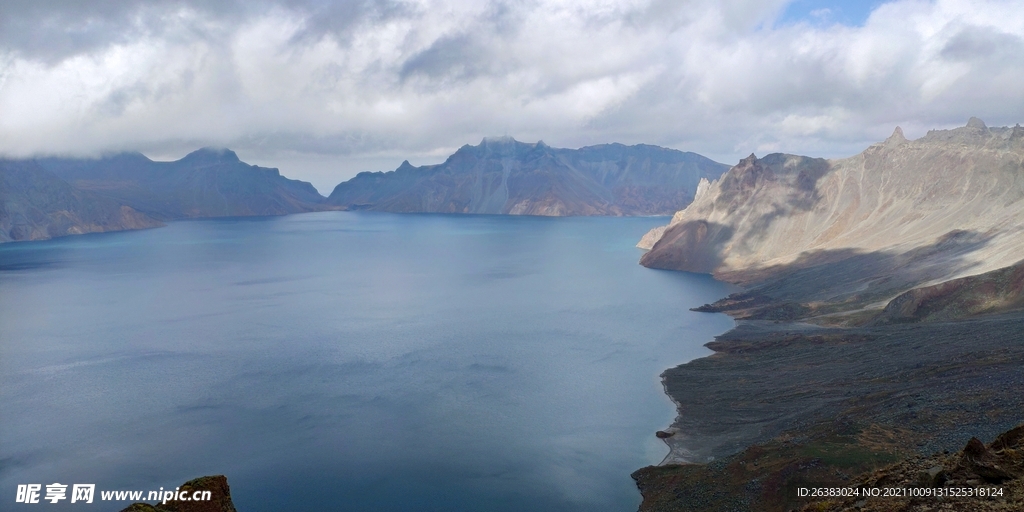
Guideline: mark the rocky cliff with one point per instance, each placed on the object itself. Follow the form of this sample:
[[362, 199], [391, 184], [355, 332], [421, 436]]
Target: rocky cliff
[[205, 183], [895, 196], [882, 320], [37, 205], [505, 176]]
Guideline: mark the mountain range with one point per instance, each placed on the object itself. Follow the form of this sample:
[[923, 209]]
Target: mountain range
[[205, 183], [47, 197], [505, 176]]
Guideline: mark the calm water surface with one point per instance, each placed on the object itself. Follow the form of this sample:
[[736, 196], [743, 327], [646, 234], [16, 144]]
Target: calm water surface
[[346, 361]]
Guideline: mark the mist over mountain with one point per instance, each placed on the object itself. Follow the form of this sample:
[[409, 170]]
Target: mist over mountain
[[505, 176]]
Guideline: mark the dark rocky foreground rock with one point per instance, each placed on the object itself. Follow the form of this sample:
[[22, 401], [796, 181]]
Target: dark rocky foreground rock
[[997, 469], [779, 406], [504, 176], [219, 492], [767, 477]]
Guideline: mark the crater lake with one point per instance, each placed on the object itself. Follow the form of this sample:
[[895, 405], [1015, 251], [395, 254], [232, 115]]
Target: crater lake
[[347, 360]]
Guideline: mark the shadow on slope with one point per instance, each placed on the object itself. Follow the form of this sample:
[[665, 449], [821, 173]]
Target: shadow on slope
[[789, 182], [694, 246], [997, 291], [844, 282]]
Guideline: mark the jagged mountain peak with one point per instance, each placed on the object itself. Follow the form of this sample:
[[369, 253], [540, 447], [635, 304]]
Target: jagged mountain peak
[[1016, 133], [897, 135], [895, 139], [504, 146], [974, 122]]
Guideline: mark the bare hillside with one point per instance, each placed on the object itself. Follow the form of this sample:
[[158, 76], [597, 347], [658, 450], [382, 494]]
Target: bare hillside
[[894, 197]]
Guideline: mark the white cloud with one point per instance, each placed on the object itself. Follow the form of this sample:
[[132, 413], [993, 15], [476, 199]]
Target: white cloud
[[371, 82]]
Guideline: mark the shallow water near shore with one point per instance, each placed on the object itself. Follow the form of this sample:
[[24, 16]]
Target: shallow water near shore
[[346, 360]]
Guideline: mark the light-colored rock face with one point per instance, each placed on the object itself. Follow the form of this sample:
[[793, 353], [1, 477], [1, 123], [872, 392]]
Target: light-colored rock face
[[895, 196], [648, 240], [651, 237]]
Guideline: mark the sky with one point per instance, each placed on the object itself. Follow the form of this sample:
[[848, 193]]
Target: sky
[[323, 90]]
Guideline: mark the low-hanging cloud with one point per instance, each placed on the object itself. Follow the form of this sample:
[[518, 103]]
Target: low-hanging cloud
[[350, 80]]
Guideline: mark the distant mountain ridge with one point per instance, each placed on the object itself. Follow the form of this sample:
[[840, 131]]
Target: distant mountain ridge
[[505, 176], [50, 197], [36, 205], [208, 182]]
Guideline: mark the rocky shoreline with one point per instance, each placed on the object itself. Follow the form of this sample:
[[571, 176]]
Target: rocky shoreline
[[882, 318], [796, 405], [807, 392]]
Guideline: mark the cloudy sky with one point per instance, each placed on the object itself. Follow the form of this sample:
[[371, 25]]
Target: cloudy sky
[[324, 89]]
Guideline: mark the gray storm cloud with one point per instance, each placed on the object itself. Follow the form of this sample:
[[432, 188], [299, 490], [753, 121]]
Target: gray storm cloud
[[368, 81]]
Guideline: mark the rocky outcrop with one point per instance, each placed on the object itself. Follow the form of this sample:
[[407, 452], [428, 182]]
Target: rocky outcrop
[[505, 176], [37, 205], [997, 469], [896, 196], [205, 183], [220, 498], [766, 477]]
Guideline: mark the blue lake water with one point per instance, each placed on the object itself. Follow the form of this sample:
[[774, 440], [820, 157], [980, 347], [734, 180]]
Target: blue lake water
[[346, 361]]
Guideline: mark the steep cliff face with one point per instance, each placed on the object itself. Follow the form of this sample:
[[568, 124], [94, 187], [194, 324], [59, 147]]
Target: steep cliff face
[[896, 196], [504, 176], [37, 205], [205, 183]]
